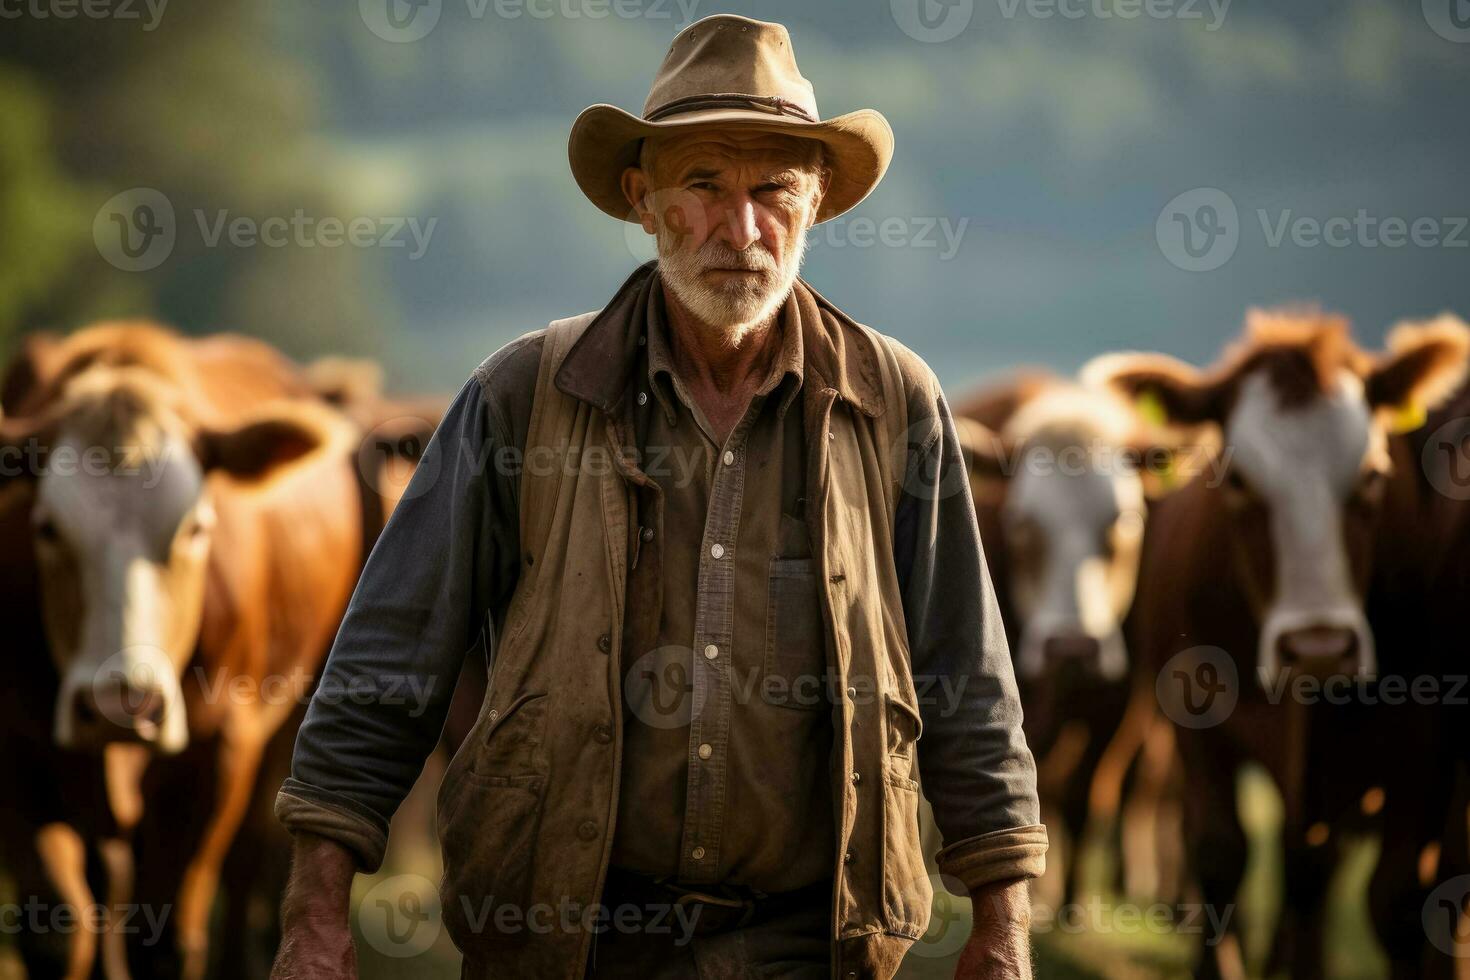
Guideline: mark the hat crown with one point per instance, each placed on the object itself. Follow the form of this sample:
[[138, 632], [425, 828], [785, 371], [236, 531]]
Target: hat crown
[[725, 54]]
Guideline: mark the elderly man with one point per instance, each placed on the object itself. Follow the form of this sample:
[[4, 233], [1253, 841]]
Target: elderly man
[[717, 543]]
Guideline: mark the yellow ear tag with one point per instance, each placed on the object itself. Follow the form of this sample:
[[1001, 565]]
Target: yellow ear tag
[[1408, 417], [1150, 408]]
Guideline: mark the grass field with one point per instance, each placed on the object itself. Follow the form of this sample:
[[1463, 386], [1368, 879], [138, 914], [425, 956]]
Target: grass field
[[1122, 949]]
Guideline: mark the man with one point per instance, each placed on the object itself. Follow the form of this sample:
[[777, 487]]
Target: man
[[728, 583]]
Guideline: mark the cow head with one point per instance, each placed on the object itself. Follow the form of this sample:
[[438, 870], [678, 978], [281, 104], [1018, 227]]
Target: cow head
[[1072, 518], [122, 523], [1304, 416]]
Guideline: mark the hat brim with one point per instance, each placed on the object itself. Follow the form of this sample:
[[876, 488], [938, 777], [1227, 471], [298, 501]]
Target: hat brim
[[605, 141]]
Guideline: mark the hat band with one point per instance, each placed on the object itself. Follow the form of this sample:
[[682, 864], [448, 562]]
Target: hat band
[[729, 100]]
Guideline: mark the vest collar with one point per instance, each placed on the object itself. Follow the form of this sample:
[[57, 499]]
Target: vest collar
[[600, 366]]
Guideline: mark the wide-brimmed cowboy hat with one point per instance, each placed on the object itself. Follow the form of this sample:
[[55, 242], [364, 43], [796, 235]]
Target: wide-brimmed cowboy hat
[[729, 72]]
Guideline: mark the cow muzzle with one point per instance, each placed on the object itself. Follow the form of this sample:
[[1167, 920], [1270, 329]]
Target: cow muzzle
[[1322, 647], [128, 698]]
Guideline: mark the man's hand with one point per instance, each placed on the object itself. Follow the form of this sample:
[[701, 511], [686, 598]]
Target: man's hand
[[316, 932], [999, 947]]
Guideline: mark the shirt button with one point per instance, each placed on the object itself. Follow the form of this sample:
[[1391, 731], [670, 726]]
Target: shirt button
[[718, 551], [642, 340], [604, 642], [602, 733], [831, 435], [494, 713], [711, 652], [647, 534], [729, 457], [697, 854], [706, 750], [587, 830]]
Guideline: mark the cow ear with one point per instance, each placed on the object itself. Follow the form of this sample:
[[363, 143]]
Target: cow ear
[[1161, 389], [25, 443], [260, 446], [987, 454], [1424, 365]]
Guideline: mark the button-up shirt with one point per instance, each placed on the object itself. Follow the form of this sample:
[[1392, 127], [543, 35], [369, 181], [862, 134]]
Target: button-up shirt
[[727, 730]]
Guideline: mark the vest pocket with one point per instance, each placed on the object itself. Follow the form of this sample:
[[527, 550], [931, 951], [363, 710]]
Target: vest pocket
[[489, 820], [796, 652]]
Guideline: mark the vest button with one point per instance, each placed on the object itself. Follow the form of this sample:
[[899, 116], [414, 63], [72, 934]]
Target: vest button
[[602, 733], [587, 830], [847, 858], [604, 642]]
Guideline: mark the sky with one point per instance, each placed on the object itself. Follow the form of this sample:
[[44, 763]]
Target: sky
[[1070, 176]]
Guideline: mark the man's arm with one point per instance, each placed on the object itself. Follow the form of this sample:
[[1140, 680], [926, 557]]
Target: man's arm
[[975, 767], [447, 556]]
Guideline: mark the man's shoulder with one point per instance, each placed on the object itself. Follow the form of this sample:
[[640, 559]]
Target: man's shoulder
[[507, 380], [919, 383]]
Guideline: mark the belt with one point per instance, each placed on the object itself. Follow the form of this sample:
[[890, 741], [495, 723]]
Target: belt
[[711, 908]]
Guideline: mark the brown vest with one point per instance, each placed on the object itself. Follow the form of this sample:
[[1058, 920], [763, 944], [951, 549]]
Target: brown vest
[[526, 808]]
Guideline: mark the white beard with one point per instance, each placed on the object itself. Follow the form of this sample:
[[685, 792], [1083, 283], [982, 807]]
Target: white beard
[[739, 304]]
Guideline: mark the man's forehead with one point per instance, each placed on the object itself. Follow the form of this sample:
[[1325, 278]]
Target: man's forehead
[[722, 149]]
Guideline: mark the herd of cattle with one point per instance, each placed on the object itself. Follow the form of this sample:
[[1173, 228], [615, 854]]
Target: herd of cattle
[[1197, 569]]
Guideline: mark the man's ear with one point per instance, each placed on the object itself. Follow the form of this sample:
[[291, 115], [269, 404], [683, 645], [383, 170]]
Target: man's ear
[[1424, 365], [1162, 389], [635, 188]]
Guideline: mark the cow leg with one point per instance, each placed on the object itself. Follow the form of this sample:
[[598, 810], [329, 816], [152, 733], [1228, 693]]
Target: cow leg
[[1411, 864], [1217, 854], [1300, 939], [63, 859], [239, 761]]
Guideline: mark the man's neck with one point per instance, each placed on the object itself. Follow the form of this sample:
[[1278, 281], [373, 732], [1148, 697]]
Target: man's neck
[[707, 359]]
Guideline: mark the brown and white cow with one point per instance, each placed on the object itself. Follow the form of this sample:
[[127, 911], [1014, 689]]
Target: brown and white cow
[[1058, 474], [1254, 578], [1420, 580], [186, 521]]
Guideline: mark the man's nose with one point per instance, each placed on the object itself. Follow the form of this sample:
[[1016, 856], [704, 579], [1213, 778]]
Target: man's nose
[[740, 229]]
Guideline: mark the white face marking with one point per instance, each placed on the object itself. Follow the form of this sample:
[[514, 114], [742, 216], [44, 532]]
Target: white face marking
[[1304, 462], [114, 538], [1073, 592]]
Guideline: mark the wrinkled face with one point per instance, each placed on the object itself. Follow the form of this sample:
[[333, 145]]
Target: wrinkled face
[[122, 550], [1073, 534], [1305, 481], [730, 212]]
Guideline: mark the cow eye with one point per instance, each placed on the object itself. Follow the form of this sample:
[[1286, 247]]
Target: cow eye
[[47, 532], [1236, 484]]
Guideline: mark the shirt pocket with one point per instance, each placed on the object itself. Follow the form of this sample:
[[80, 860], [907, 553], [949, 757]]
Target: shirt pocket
[[796, 645]]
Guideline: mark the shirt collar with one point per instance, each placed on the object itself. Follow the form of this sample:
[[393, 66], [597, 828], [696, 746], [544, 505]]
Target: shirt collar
[[786, 370]]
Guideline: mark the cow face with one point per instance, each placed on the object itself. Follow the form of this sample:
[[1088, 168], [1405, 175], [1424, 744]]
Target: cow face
[[1305, 417], [1072, 520], [122, 527]]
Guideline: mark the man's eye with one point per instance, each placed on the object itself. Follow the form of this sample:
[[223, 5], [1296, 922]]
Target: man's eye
[[703, 185]]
